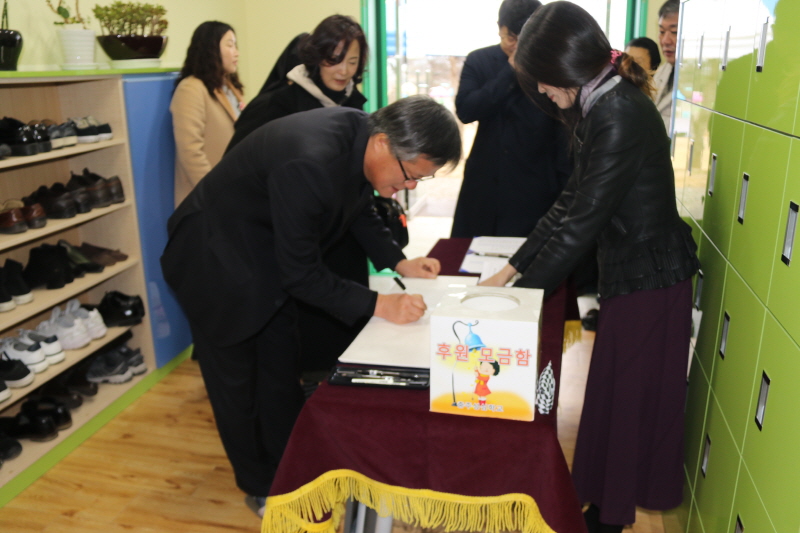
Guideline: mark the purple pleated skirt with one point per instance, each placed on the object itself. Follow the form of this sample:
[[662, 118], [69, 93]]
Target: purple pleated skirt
[[629, 450]]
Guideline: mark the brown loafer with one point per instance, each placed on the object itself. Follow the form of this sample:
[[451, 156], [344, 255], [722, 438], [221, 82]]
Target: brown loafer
[[33, 213], [12, 221]]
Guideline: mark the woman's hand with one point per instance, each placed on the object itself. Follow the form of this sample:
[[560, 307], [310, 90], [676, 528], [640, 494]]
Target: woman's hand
[[421, 267], [400, 308], [501, 278]]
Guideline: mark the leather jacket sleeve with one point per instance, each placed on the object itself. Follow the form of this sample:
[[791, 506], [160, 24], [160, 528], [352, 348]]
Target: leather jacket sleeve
[[609, 150]]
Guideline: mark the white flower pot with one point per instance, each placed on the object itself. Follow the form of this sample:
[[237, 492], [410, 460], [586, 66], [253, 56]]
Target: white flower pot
[[77, 46]]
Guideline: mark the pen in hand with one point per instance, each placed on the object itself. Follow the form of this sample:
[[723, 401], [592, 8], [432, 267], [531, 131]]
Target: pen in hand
[[400, 283]]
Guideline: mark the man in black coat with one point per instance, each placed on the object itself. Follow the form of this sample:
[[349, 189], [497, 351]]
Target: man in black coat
[[248, 242], [519, 161]]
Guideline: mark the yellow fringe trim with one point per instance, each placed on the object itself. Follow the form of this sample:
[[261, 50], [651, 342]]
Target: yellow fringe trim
[[303, 509], [572, 333]]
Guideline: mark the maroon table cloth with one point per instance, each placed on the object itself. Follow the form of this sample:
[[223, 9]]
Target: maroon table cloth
[[385, 449]]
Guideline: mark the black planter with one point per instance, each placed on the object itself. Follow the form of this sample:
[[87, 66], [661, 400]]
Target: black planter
[[132, 46], [10, 48]]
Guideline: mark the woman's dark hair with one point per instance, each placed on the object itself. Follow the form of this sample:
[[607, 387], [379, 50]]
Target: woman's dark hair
[[562, 45], [652, 48], [203, 60], [514, 13], [418, 125], [319, 47]]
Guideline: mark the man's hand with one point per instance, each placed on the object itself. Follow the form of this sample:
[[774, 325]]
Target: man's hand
[[421, 267], [400, 308], [501, 278]]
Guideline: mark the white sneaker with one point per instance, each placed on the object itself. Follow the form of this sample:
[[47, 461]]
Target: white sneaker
[[91, 319], [71, 333], [30, 354], [52, 349]]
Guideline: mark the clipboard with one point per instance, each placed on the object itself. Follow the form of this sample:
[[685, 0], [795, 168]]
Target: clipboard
[[380, 376]]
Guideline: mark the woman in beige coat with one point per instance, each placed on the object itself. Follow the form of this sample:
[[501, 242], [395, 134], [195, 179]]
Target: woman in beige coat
[[206, 103]]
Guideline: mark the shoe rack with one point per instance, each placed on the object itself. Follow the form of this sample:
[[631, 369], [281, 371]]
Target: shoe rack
[[114, 227]]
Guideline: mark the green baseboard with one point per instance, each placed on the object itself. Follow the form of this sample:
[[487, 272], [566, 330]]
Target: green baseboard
[[14, 487]]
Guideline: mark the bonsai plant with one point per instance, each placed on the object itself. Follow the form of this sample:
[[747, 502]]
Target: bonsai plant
[[62, 10], [132, 30]]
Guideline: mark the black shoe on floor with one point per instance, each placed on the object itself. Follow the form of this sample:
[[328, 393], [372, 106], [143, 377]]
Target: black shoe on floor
[[9, 448], [18, 136], [119, 309], [49, 407], [37, 428], [589, 321]]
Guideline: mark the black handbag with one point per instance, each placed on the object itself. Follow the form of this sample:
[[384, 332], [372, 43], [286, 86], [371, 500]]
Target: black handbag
[[394, 216]]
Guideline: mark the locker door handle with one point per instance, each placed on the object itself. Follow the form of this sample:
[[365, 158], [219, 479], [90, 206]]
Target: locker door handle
[[739, 525], [724, 64], [706, 451], [698, 290], [712, 174], [691, 157], [762, 400], [762, 51], [743, 197], [788, 238], [700, 52], [723, 341]]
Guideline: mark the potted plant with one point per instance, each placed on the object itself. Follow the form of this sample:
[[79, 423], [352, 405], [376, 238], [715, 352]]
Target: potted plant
[[77, 42], [132, 30]]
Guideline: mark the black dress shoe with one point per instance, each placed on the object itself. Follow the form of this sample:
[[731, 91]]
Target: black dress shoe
[[18, 136], [82, 199], [49, 407], [113, 185], [39, 428], [119, 309], [61, 205], [58, 392], [48, 265], [9, 448]]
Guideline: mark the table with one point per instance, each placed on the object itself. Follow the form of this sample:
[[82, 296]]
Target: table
[[383, 448]]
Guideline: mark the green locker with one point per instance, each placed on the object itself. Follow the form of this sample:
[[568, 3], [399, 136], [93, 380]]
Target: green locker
[[689, 32], [709, 52], [765, 156], [719, 468], [696, 407], [775, 78], [709, 287], [681, 514], [680, 146], [784, 290], [696, 181], [695, 522], [725, 149], [736, 362], [738, 35], [773, 428], [748, 509]]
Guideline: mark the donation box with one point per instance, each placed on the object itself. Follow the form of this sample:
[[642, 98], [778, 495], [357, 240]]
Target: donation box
[[484, 352]]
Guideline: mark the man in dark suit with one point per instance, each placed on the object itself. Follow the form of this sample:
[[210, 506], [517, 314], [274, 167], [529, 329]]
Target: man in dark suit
[[519, 163], [247, 243]]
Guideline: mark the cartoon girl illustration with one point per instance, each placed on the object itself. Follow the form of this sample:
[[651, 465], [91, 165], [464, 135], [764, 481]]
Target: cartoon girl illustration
[[483, 372]]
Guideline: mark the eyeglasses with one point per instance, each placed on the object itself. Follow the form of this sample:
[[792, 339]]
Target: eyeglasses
[[406, 175]]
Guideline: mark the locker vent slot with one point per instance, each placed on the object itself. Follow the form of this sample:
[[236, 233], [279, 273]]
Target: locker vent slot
[[724, 64], [691, 157], [762, 51], [739, 526]]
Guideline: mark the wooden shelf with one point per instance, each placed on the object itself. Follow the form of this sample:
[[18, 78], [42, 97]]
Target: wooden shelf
[[92, 406], [72, 357], [44, 299], [19, 161], [57, 225]]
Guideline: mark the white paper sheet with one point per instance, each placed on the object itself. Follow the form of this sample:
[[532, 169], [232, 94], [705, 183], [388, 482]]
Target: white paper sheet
[[489, 254], [384, 343]]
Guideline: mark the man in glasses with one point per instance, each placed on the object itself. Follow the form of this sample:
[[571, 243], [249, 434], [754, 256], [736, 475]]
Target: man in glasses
[[247, 244]]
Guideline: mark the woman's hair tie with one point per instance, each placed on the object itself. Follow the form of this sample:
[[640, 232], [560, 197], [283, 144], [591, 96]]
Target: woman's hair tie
[[614, 55]]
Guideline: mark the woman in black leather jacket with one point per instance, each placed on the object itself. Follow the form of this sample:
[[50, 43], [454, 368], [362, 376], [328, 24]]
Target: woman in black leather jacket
[[621, 195]]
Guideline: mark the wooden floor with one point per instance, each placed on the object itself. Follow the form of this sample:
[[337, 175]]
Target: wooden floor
[[159, 467]]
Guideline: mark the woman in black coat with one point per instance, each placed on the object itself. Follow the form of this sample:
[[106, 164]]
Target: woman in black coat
[[621, 195], [332, 63]]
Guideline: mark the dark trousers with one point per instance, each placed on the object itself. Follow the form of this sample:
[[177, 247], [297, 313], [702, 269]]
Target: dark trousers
[[256, 396]]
